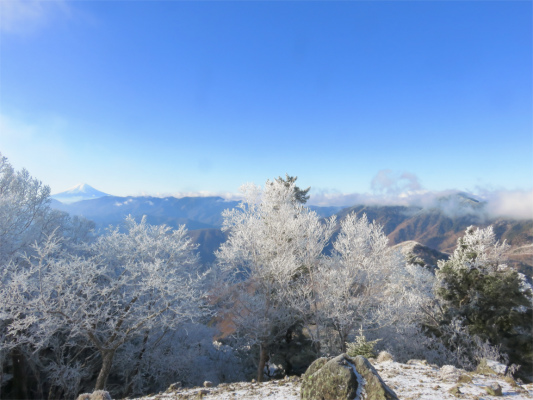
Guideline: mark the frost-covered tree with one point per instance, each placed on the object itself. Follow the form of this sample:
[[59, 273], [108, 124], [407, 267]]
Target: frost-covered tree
[[366, 285], [274, 241], [410, 299], [24, 207], [25, 219], [26, 216], [491, 301], [124, 286]]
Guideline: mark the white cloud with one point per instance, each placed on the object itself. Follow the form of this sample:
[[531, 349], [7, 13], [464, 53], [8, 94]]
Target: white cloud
[[26, 16], [421, 198], [118, 204], [510, 203], [404, 189], [388, 182], [388, 188]]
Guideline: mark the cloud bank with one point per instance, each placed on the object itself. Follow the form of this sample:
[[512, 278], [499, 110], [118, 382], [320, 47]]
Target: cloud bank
[[511, 203], [391, 188]]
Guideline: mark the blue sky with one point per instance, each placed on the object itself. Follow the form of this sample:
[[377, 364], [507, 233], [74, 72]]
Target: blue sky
[[166, 97]]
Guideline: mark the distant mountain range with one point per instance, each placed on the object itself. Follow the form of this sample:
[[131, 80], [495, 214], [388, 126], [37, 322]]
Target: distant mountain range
[[77, 193], [194, 212], [436, 228]]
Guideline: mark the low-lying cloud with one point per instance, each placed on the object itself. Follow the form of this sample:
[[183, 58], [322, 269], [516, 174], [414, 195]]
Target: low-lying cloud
[[390, 188], [516, 204]]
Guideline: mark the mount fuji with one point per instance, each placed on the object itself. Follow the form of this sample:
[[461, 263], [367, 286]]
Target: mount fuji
[[79, 192]]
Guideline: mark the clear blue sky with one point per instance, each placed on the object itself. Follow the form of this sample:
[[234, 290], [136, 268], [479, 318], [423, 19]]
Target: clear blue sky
[[184, 96]]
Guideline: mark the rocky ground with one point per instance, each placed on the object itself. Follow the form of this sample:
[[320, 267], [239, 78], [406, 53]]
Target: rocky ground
[[414, 380]]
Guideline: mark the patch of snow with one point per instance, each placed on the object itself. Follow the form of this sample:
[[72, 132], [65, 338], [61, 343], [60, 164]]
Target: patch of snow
[[414, 381], [117, 204], [361, 382], [284, 389]]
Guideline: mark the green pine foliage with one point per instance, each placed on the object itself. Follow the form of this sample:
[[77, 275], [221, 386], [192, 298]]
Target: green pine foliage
[[493, 301], [362, 346], [300, 195]]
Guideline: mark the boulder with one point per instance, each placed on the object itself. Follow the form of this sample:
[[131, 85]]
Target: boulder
[[330, 380], [174, 387], [455, 390], [464, 378], [489, 367], [494, 389], [384, 356], [449, 373], [344, 378], [97, 395]]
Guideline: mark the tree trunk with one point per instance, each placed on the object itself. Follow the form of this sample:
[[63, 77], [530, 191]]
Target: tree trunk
[[129, 388], [342, 338], [54, 392], [107, 361], [35, 383], [20, 385], [343, 346], [263, 358]]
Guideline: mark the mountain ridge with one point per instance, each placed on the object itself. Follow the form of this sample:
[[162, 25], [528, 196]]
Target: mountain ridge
[[437, 227], [79, 192]]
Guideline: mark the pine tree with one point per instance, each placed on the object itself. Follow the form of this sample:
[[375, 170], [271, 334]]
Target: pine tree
[[493, 301], [362, 346], [300, 195]]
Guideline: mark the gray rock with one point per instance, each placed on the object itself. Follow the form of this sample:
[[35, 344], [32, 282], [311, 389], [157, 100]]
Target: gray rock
[[494, 389], [173, 387], [344, 378], [455, 390], [374, 387], [96, 395], [100, 395], [449, 373], [330, 380], [384, 356], [208, 384]]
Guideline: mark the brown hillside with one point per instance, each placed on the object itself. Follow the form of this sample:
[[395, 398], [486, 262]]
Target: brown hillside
[[438, 230]]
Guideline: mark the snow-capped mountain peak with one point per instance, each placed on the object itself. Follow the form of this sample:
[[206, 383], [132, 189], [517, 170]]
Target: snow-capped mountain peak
[[81, 191]]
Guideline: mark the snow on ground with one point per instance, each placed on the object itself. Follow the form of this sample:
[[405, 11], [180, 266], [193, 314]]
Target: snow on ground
[[287, 389], [418, 380], [414, 380]]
